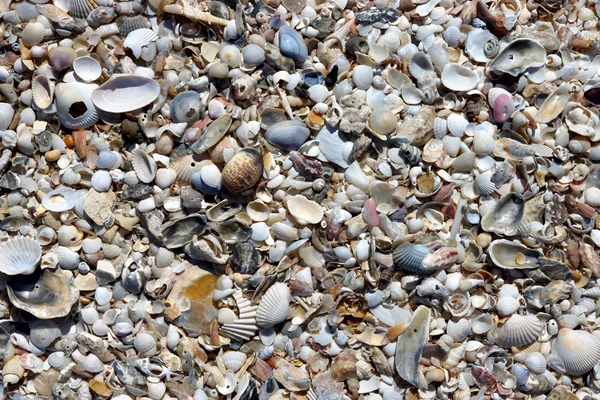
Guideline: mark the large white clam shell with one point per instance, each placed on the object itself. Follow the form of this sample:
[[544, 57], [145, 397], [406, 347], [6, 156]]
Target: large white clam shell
[[74, 105], [519, 330], [33, 33], [274, 305], [459, 78], [305, 211], [19, 256], [124, 93], [87, 68], [579, 351]]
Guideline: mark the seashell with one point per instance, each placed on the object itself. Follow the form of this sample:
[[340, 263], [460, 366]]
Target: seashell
[[43, 333], [305, 211], [440, 127], [42, 90], [61, 58], [513, 255], [291, 44], [143, 165], [139, 38], [60, 200], [519, 330], [127, 24], [409, 347], [19, 256], [287, 135], [12, 371], [457, 124], [81, 8], [318, 93], [74, 105], [253, 55], [124, 93], [502, 104], [383, 121], [243, 171], [101, 181], [144, 342], [33, 34], [460, 330], [481, 324], [258, 211], [91, 245], [56, 359], [231, 56], [173, 337], [234, 360], [484, 184], [284, 231], [505, 218], [165, 177], [67, 258], [420, 259], [362, 76], [519, 56], [553, 106], [6, 115], [420, 66], [579, 351], [108, 160], [156, 388], [452, 36], [185, 107], [507, 306], [459, 78], [87, 68], [274, 305], [483, 143], [92, 363], [208, 180], [481, 45], [103, 296]]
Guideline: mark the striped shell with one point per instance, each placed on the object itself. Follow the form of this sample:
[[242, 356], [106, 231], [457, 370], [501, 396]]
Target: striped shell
[[440, 127], [274, 305], [19, 256], [410, 256], [143, 165], [253, 55], [139, 38], [33, 34], [457, 124], [127, 24], [243, 171], [484, 184], [579, 351], [519, 331], [74, 105], [186, 167], [81, 8], [483, 143]]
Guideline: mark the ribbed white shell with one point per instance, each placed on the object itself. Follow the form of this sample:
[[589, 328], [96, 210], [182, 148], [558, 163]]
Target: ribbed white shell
[[87, 68], [172, 337], [274, 305], [452, 36], [68, 94], [67, 258], [138, 39], [144, 342], [253, 55], [33, 34], [578, 350], [440, 127], [233, 360], [457, 124], [101, 181], [519, 331], [318, 93], [19, 256], [483, 143], [164, 257], [143, 165], [484, 184], [165, 177], [91, 245], [507, 306], [536, 363]]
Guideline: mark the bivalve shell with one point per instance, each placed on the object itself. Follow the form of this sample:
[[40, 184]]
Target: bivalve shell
[[125, 93], [143, 165], [87, 68], [519, 330], [274, 305], [243, 171], [234, 360], [459, 78], [42, 90], [139, 38], [33, 33], [579, 351], [19, 256], [74, 105], [305, 211]]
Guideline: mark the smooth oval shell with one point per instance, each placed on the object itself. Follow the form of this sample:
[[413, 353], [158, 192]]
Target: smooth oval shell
[[125, 93], [87, 68], [459, 78], [291, 44], [60, 200], [287, 135], [243, 171], [518, 56], [512, 255], [42, 90]]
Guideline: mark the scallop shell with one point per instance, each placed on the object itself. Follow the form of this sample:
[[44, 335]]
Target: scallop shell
[[305, 211], [274, 305], [67, 258], [139, 38], [459, 78], [234, 360], [127, 24], [87, 68], [519, 331], [19, 256], [165, 177], [410, 256], [33, 34], [81, 8], [42, 90], [440, 127], [144, 342], [91, 245], [143, 165], [579, 351], [484, 184], [483, 143], [74, 105], [253, 55], [457, 124], [124, 93]]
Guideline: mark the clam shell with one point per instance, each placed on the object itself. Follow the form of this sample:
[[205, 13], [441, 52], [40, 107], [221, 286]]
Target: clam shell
[[81, 8], [291, 44], [459, 78], [144, 342], [457, 124], [253, 55], [440, 127], [287, 135], [124, 93], [553, 106], [484, 184], [305, 211], [60, 200], [186, 168], [19, 256], [505, 218], [6, 115], [33, 33], [518, 56], [234, 360], [87, 68], [536, 363], [519, 330], [318, 93], [165, 177], [452, 36], [274, 305], [420, 66], [483, 143], [67, 258], [101, 181], [42, 90], [513, 255], [139, 38], [143, 165], [507, 306], [92, 363], [258, 211], [579, 351], [362, 76], [74, 105]]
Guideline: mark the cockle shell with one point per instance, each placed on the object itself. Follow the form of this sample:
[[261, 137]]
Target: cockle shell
[[579, 351], [519, 330], [124, 93], [507, 306], [33, 33], [274, 305], [243, 171], [139, 38], [234, 360], [19, 256], [519, 56], [74, 105], [305, 211]]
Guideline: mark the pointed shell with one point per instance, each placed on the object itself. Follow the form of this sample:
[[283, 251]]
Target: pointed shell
[[234, 360], [274, 305], [33, 34], [19, 256], [139, 38], [305, 211], [172, 337], [578, 350], [143, 165], [459, 78], [87, 68], [42, 90], [519, 331], [125, 93]]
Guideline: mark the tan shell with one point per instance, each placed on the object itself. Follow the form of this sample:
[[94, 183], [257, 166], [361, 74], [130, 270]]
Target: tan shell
[[243, 171], [305, 211]]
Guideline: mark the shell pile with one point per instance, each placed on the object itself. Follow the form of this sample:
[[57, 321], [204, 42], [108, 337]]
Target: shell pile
[[299, 199]]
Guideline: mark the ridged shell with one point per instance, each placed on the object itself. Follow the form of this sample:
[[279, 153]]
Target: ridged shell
[[274, 305], [143, 165], [91, 245], [410, 256], [578, 350], [305, 211], [484, 184], [67, 258], [172, 337], [43, 332], [124, 93], [144, 342], [81, 8], [103, 296], [284, 231], [74, 105], [19, 256], [483, 143], [33, 34], [536, 363], [165, 177], [519, 331], [452, 36], [258, 211], [127, 24], [186, 167], [42, 90], [240, 331], [92, 364], [234, 360], [507, 306], [139, 38], [318, 93], [457, 124], [440, 127], [243, 171], [253, 55], [101, 181], [87, 68]]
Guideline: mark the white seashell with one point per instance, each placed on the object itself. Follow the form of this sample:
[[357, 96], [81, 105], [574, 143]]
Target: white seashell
[[457, 124], [484, 184], [452, 36], [592, 196], [91, 245], [234, 360], [260, 231], [420, 66], [156, 388], [507, 305], [258, 211], [481, 45], [19, 256], [173, 337], [274, 305], [56, 359], [101, 181], [43, 333], [481, 324], [362, 76], [103, 295], [240, 330], [284, 231], [33, 34], [144, 342], [508, 290], [483, 143], [460, 330], [42, 90], [74, 105], [165, 177], [318, 93], [536, 363], [87, 68], [124, 93], [440, 127], [459, 78], [211, 176], [67, 258], [253, 55], [92, 364], [305, 211], [143, 165], [6, 115], [519, 330], [100, 328], [579, 351], [138, 39], [226, 316], [455, 355], [231, 56]]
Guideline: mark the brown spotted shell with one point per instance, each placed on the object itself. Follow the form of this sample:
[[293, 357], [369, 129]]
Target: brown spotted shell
[[243, 171]]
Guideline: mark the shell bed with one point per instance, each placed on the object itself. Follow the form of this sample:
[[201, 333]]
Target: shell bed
[[299, 199]]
